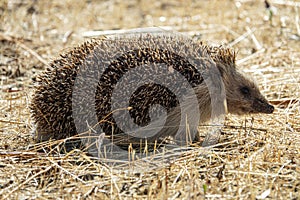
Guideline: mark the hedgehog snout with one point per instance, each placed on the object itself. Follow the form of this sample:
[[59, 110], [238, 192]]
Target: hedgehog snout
[[263, 106], [270, 109]]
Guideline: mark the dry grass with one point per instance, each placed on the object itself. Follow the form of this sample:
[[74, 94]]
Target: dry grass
[[258, 156]]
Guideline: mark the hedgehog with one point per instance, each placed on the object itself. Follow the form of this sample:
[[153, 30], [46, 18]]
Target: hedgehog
[[76, 94]]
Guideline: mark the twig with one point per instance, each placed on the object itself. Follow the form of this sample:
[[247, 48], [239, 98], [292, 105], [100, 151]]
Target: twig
[[23, 46], [135, 30], [286, 3], [257, 44], [238, 62], [240, 38], [284, 101], [11, 122]]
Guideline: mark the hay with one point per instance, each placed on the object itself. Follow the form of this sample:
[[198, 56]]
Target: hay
[[258, 156]]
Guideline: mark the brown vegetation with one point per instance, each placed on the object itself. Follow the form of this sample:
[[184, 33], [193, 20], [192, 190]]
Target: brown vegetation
[[258, 155]]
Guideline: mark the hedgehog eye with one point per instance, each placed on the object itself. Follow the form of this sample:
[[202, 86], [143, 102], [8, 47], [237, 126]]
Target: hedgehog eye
[[245, 90]]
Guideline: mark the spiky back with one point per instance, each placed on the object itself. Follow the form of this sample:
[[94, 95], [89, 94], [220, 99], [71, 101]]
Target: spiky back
[[52, 102]]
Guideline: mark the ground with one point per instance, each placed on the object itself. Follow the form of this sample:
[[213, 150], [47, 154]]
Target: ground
[[258, 156]]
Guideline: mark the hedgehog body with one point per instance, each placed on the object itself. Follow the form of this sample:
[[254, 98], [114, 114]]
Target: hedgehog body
[[76, 93]]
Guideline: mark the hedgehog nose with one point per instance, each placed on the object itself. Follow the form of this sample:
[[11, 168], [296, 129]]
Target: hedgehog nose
[[270, 108]]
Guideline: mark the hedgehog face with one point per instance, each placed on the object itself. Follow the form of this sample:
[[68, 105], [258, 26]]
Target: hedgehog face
[[242, 94], [244, 97]]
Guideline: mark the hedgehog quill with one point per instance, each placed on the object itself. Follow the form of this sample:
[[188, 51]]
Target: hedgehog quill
[[64, 104]]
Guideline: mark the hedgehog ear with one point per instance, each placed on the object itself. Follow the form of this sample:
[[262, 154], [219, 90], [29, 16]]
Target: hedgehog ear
[[227, 58]]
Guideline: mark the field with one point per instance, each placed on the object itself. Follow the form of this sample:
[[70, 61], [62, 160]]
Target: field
[[257, 157]]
